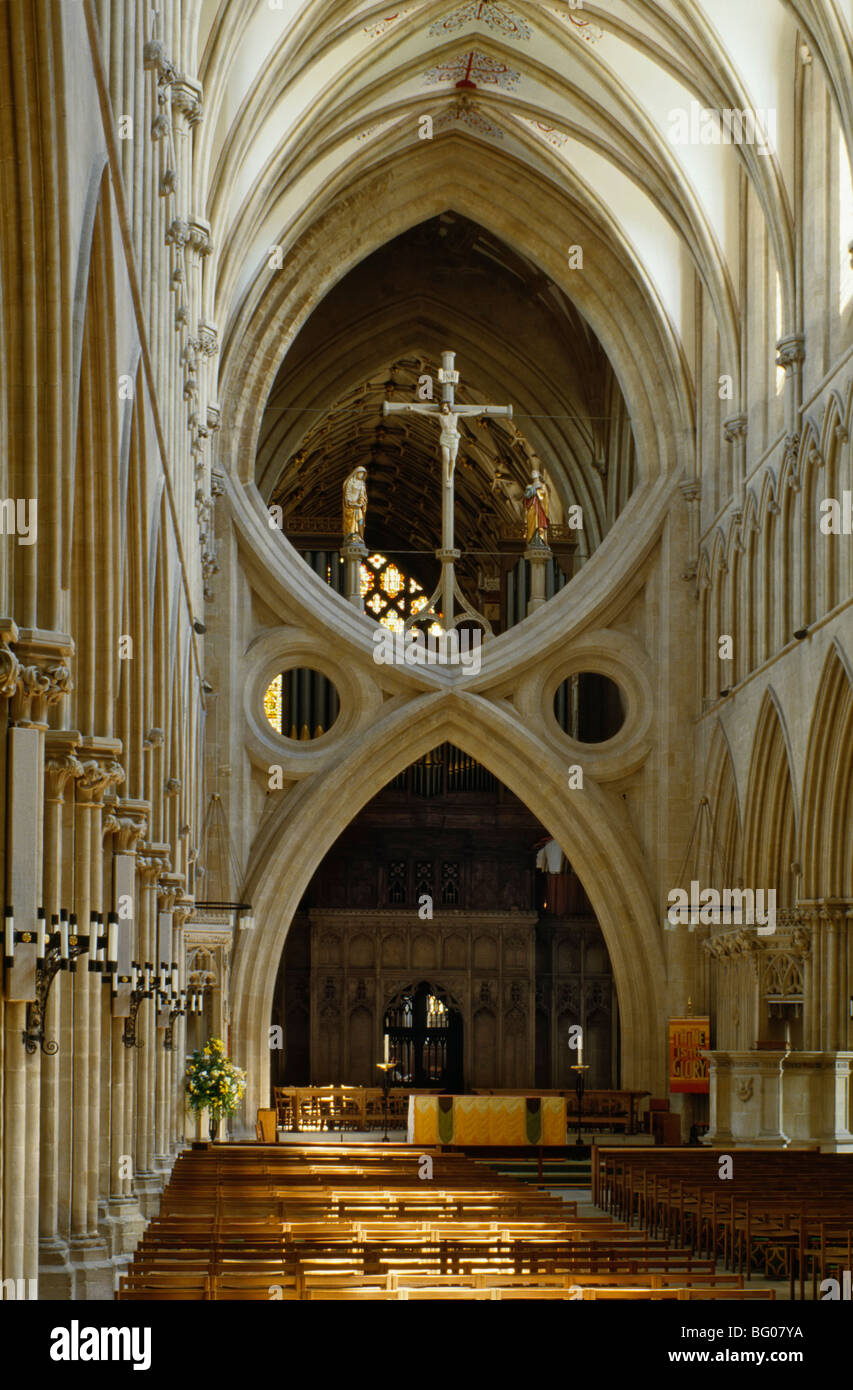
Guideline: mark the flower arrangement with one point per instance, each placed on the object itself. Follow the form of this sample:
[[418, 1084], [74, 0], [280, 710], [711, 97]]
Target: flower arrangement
[[213, 1082]]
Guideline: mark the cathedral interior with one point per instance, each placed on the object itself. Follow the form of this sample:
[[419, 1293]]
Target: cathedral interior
[[323, 321]]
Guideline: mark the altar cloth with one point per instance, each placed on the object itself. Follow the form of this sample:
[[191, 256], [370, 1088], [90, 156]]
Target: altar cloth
[[488, 1121]]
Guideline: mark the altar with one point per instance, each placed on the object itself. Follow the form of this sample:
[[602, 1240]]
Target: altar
[[487, 1121]]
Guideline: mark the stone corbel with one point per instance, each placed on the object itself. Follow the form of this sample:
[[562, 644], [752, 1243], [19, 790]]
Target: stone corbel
[[199, 239], [187, 98], [208, 339]]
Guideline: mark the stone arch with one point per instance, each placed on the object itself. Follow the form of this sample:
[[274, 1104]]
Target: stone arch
[[721, 790], [589, 828], [770, 821], [827, 835], [638, 343]]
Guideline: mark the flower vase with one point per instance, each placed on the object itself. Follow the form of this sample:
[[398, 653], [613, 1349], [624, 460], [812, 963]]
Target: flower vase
[[213, 1123]]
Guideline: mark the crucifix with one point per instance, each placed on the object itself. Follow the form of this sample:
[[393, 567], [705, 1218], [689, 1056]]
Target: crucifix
[[447, 414]]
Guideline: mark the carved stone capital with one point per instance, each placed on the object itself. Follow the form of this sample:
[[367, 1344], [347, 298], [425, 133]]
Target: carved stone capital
[[183, 909], [169, 889], [98, 773], [172, 787], [691, 491], [60, 764], [159, 854], [791, 351], [208, 339], [132, 824], [10, 670], [44, 675], [153, 739], [187, 98], [734, 428], [199, 236]]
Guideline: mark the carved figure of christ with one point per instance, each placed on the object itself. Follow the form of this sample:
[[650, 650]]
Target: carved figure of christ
[[447, 414]]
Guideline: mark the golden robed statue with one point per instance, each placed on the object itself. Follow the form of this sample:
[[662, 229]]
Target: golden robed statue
[[536, 504], [355, 504]]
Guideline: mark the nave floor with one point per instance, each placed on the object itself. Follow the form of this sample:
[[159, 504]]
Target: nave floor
[[379, 1222]]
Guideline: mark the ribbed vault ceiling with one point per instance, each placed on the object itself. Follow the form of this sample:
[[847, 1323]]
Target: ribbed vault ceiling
[[311, 102]]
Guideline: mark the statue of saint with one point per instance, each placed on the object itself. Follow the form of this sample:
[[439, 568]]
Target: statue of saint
[[536, 505], [355, 504]]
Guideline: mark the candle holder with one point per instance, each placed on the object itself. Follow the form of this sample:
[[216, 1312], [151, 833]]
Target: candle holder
[[56, 950], [141, 990], [580, 1083], [386, 1068], [178, 1010]]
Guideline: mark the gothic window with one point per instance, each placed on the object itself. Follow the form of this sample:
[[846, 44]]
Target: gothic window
[[423, 878], [449, 885], [397, 881]]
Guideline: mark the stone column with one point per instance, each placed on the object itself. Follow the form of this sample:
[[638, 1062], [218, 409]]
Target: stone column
[[169, 888], [55, 1273], [121, 1220], [354, 552], [152, 863], [692, 494], [734, 430], [539, 557], [94, 1274], [36, 679]]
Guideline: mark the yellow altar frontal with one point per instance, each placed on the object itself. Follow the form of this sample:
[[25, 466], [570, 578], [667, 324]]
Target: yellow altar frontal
[[488, 1121]]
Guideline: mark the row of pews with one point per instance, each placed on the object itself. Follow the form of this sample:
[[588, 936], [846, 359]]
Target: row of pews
[[781, 1214], [372, 1222]]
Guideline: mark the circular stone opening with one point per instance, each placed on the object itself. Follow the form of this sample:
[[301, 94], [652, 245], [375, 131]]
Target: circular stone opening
[[301, 704], [589, 707]]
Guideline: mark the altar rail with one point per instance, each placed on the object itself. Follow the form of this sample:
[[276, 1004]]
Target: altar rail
[[360, 1107]]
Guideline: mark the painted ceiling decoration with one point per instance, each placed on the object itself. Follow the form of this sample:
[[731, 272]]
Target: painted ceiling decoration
[[474, 69], [469, 115], [557, 138], [499, 18], [381, 26], [308, 117], [583, 27]]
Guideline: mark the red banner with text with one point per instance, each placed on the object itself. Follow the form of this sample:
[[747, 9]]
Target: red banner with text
[[688, 1039]]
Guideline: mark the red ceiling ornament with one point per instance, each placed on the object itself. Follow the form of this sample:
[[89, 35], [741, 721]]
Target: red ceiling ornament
[[498, 17], [472, 70]]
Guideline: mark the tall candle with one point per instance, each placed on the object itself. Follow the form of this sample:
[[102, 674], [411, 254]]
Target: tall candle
[[580, 1050], [41, 935], [386, 1047]]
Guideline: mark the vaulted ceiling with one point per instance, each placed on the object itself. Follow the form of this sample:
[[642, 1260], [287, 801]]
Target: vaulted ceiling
[[308, 99]]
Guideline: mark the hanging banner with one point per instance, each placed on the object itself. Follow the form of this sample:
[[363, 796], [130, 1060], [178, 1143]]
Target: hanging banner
[[688, 1039]]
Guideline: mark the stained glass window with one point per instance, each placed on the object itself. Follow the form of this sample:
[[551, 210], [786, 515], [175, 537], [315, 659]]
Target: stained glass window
[[390, 595], [272, 703]]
